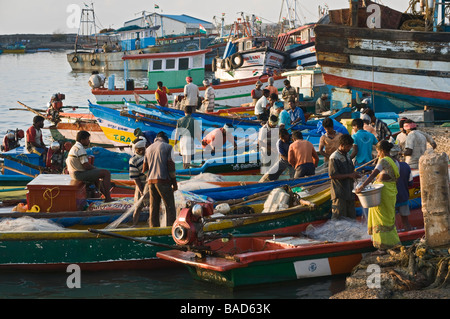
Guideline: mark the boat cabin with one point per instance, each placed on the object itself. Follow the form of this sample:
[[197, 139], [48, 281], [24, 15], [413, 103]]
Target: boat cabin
[[172, 68]]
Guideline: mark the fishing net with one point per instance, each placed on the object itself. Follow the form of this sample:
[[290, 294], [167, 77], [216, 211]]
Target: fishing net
[[340, 230], [28, 224]]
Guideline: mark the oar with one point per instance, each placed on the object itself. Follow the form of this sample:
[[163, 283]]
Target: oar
[[129, 211], [147, 242], [32, 110]]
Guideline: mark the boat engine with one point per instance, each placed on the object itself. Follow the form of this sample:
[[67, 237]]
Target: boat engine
[[56, 156], [188, 227], [55, 106]]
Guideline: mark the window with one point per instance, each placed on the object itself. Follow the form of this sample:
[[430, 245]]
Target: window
[[197, 61], [170, 64], [183, 64], [157, 65]]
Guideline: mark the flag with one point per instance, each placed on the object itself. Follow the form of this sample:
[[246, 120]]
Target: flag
[[202, 29], [156, 6]]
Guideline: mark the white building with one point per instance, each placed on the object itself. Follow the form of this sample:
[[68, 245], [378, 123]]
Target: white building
[[171, 24]]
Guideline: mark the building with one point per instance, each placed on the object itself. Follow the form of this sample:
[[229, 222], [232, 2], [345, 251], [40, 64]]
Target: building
[[171, 24]]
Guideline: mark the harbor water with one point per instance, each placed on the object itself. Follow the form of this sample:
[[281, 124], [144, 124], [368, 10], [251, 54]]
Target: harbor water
[[32, 79]]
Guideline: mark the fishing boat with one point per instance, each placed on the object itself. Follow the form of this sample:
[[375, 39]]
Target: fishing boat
[[172, 68], [90, 54], [273, 257], [97, 249], [16, 48], [402, 57]]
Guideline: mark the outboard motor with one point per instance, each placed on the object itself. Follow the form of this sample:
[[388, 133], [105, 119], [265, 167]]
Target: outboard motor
[[56, 156], [55, 106], [188, 227]]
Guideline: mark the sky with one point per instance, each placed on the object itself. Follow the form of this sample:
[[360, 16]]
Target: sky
[[62, 16]]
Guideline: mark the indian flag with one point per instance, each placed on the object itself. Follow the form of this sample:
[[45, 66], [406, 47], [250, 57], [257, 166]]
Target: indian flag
[[156, 6], [202, 29]]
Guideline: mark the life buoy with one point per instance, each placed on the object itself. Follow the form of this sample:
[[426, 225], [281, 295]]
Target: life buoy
[[236, 60], [93, 62], [214, 64], [75, 59]]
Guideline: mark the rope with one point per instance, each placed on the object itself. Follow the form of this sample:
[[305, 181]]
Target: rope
[[48, 195]]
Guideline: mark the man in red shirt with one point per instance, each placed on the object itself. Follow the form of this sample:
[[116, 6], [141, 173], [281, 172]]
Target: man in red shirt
[[35, 143], [161, 95], [302, 156]]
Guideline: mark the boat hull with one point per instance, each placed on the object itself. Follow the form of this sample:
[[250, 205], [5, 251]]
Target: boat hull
[[231, 93], [269, 260], [54, 250], [408, 66]]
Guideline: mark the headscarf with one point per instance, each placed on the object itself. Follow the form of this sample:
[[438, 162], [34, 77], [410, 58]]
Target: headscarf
[[409, 126], [188, 79]]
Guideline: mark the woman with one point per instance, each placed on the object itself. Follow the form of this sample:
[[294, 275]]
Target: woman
[[381, 220]]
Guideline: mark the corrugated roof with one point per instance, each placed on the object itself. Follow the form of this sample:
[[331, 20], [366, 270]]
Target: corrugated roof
[[186, 19]]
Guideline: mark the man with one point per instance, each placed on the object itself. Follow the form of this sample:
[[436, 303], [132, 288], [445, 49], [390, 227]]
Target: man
[[191, 93], [11, 140], [296, 114], [363, 143], [161, 179], [415, 144], [288, 94], [137, 175], [261, 106], [149, 136], [257, 92], [342, 173], [217, 138], [272, 89], [284, 119], [322, 105], [329, 142], [383, 131], [81, 170], [34, 141], [279, 167], [302, 156], [161, 94], [187, 130], [210, 95], [267, 137]]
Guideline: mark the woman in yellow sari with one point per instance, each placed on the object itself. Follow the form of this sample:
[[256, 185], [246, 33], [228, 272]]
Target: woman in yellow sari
[[381, 219]]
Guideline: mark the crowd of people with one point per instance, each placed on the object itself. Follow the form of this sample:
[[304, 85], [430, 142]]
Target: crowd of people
[[281, 149]]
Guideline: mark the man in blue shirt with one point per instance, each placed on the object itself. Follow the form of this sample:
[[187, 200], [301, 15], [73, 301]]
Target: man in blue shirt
[[279, 167], [296, 113], [363, 143]]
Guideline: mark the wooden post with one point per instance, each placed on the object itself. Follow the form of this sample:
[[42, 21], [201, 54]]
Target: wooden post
[[354, 5], [434, 185]]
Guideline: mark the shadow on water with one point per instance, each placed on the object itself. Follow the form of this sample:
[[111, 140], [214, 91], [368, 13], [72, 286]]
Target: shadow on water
[[173, 283]]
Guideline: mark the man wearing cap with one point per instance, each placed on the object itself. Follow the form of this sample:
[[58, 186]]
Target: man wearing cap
[[138, 176], [267, 139], [210, 95], [217, 139], [191, 93], [321, 104], [187, 130], [149, 136], [415, 144], [161, 179], [257, 92], [302, 156]]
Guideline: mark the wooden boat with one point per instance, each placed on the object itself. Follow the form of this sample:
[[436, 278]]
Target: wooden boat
[[55, 250], [272, 257], [165, 67], [388, 60], [96, 59]]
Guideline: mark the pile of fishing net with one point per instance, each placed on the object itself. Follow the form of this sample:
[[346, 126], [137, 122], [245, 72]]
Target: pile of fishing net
[[339, 230], [201, 181], [28, 224]]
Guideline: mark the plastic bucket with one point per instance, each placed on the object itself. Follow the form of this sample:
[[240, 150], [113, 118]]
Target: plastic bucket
[[371, 197]]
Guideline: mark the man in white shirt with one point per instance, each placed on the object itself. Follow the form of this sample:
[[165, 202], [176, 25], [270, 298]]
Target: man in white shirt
[[261, 106], [81, 170], [191, 93], [415, 144], [210, 95]]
